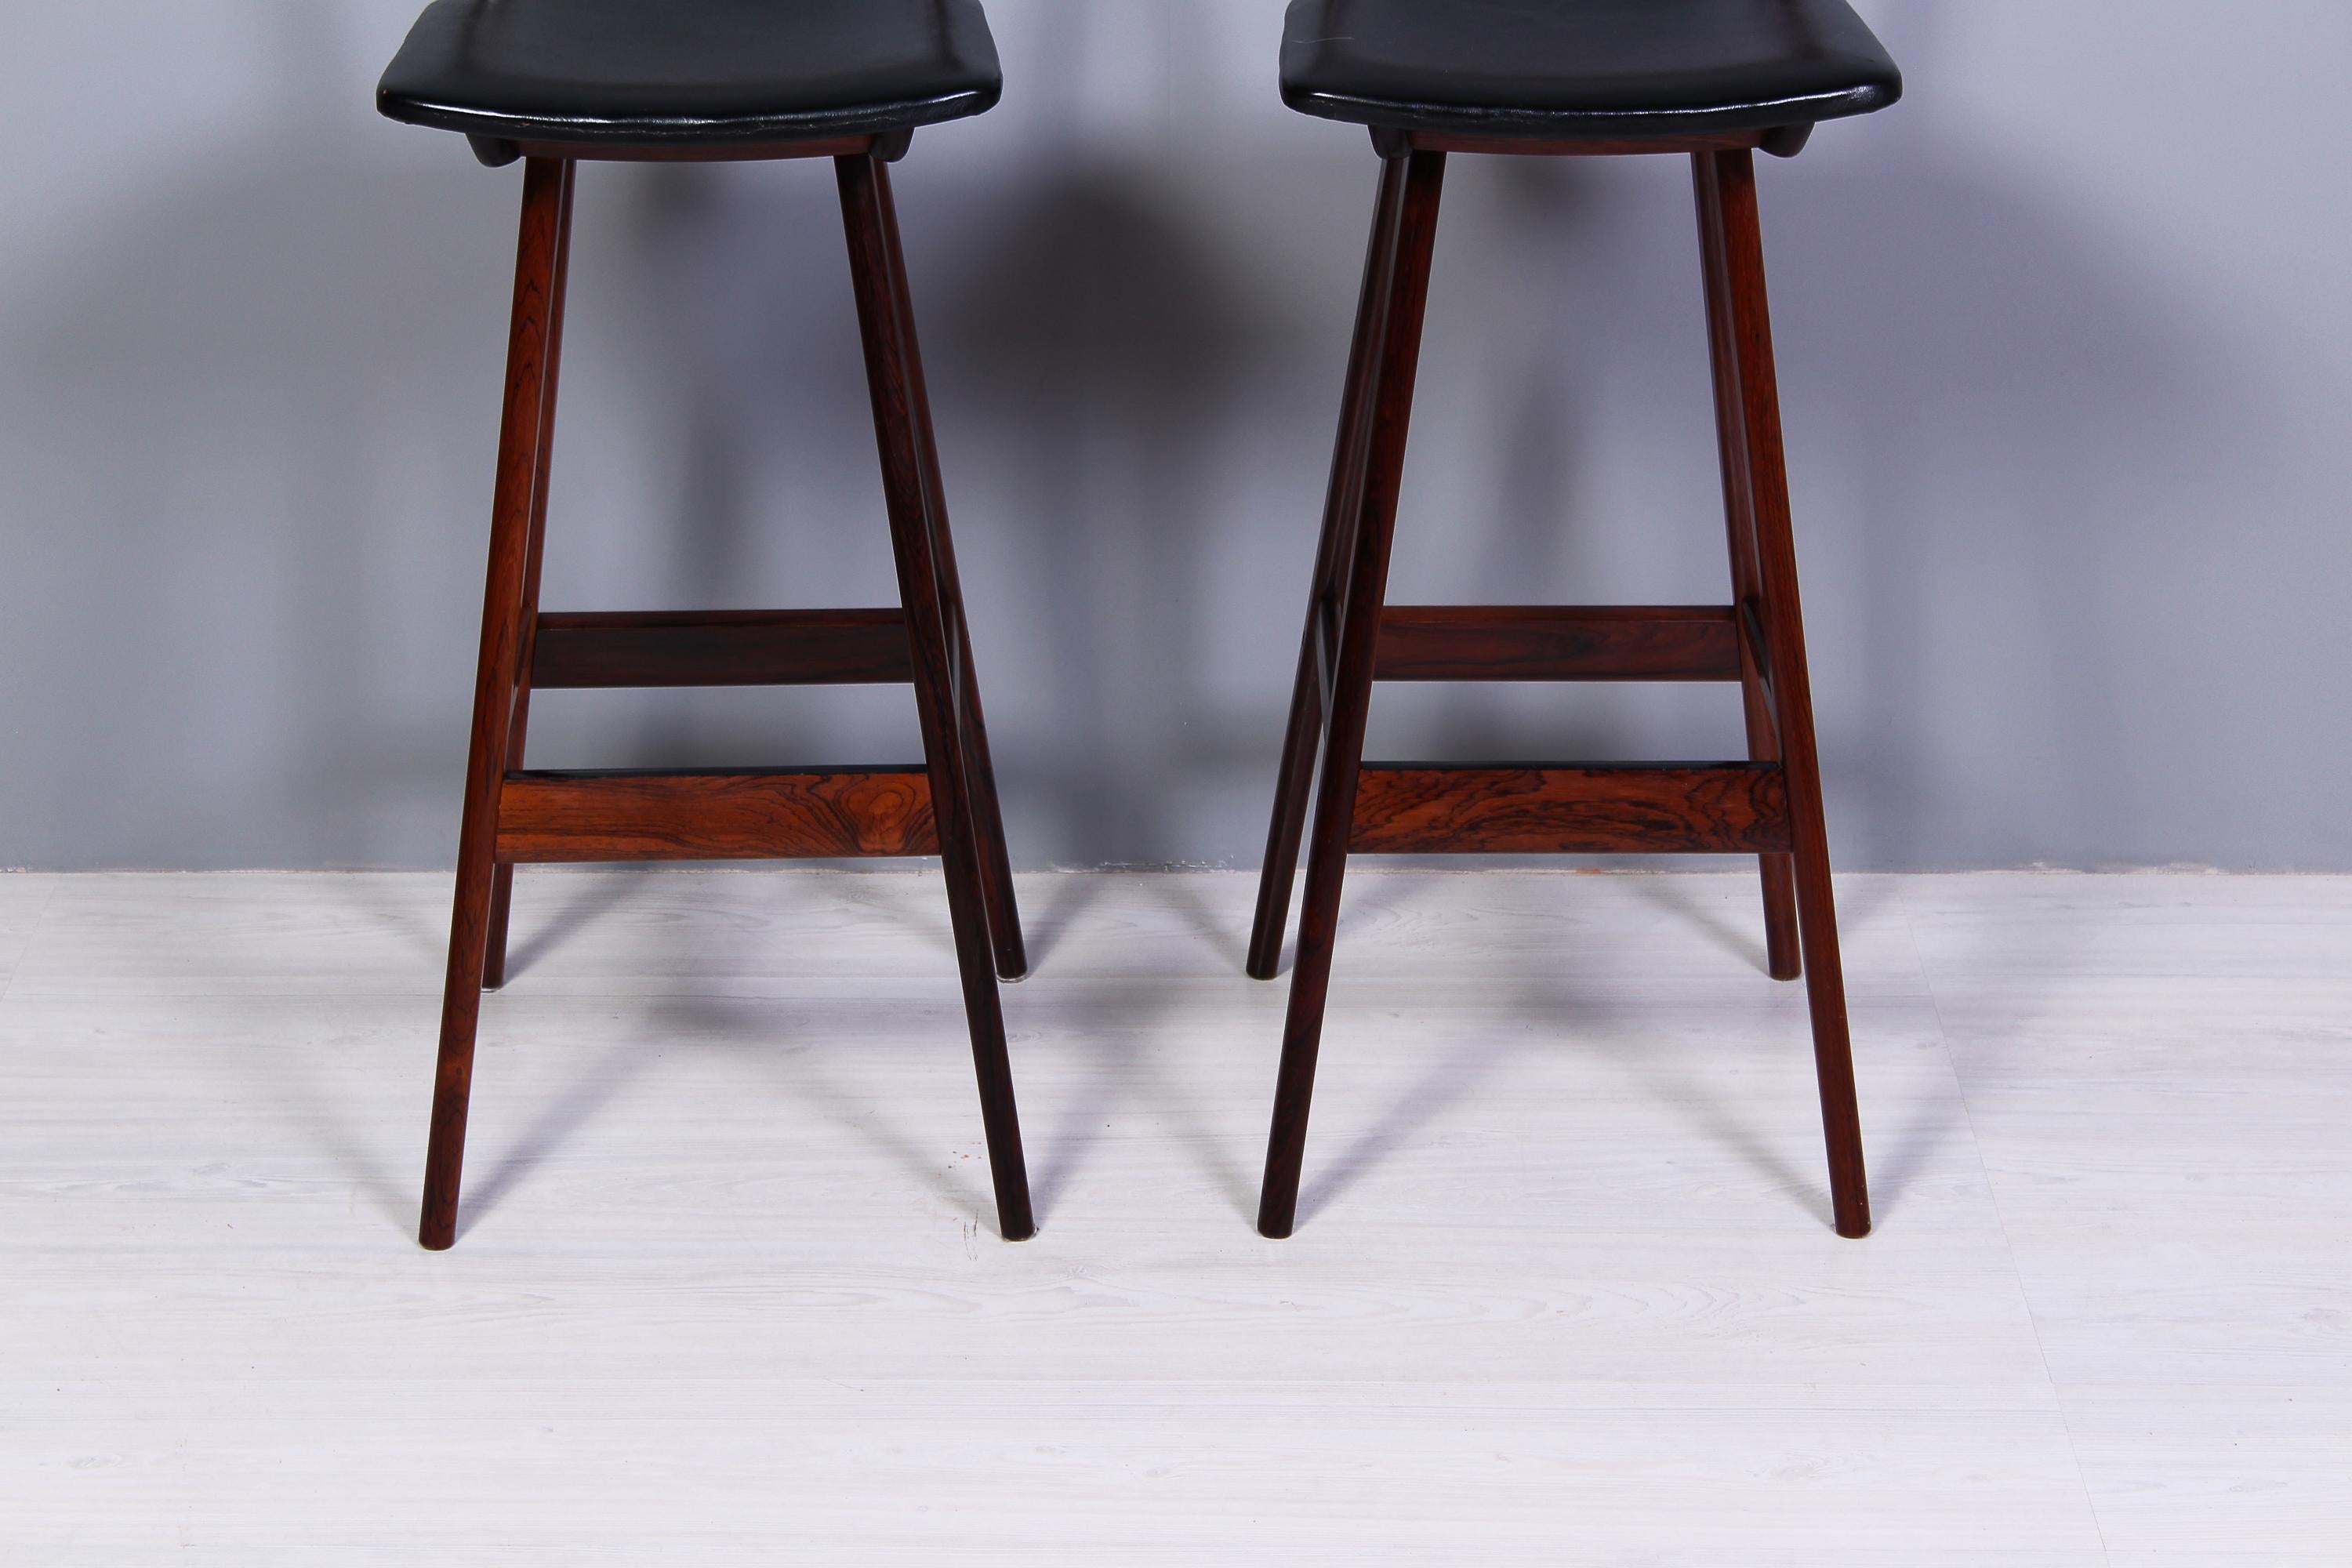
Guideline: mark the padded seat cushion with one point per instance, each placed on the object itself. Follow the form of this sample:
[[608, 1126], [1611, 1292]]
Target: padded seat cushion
[[1583, 69], [691, 71]]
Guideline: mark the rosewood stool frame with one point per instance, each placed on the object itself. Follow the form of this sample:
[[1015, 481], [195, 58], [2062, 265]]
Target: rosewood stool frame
[[947, 807], [1769, 804]]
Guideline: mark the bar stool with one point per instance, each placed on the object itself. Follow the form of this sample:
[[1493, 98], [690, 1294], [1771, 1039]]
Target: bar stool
[[557, 83], [1716, 80]]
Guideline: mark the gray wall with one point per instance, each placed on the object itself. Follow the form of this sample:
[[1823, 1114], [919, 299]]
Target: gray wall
[[2065, 367]]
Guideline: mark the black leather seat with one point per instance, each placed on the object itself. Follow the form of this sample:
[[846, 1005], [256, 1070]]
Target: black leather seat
[[1583, 69], [690, 72]]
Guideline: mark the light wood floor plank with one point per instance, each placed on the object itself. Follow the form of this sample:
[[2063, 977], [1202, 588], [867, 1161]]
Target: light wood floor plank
[[2159, 1072], [1565, 1289], [23, 901], [904, 1471]]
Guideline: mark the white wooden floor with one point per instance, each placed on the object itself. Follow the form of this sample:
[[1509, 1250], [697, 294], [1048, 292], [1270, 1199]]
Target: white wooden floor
[[1564, 1290]]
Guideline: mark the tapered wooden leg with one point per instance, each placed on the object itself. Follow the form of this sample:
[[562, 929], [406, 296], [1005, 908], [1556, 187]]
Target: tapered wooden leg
[[1342, 501], [1780, 943], [545, 185], [1352, 689], [1733, 237], [979, 770], [494, 960], [891, 357]]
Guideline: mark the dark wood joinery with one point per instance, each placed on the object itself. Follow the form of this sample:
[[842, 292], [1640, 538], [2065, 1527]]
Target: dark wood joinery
[[1735, 808], [744, 648], [1768, 806], [546, 819], [945, 806], [1477, 643]]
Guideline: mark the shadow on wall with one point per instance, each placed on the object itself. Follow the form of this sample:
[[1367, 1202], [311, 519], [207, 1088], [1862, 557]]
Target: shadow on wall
[[2038, 439], [1084, 350], [1119, 344], [234, 421], [2008, 445], [248, 450]]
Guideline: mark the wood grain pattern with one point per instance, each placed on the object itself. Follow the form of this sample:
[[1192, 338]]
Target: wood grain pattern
[[991, 856], [542, 241], [1310, 699], [1497, 642], [1770, 806], [1731, 244], [494, 954], [743, 648], [1786, 953], [964, 817], [513, 816], [545, 818], [1733, 808], [1404, 255]]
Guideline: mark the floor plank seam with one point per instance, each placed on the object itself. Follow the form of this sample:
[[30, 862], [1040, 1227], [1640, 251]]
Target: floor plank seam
[[1572, 1280], [32, 935], [1992, 1195]]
